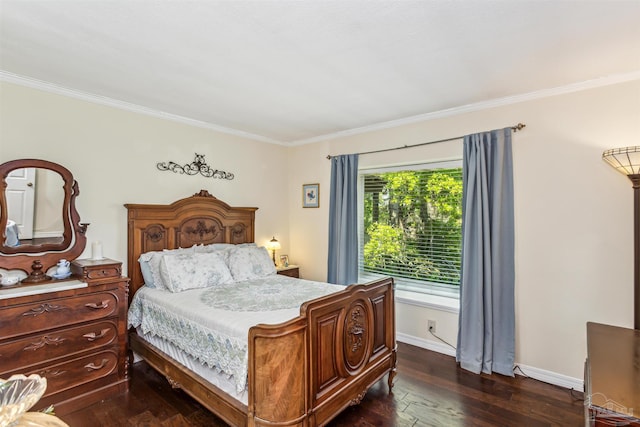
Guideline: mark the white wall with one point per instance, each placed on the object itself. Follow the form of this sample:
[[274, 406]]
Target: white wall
[[573, 212], [573, 215], [113, 154]]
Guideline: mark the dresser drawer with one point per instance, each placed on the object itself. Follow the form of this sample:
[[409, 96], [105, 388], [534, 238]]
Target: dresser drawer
[[96, 270], [23, 352], [102, 273], [73, 373], [41, 316]]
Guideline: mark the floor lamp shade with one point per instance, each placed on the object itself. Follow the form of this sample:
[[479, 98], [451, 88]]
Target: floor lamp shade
[[627, 161]]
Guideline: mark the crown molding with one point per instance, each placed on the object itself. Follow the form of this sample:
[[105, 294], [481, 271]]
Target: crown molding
[[127, 106], [484, 105]]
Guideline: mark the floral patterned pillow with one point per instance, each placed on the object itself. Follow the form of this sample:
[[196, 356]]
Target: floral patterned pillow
[[150, 265], [223, 249], [250, 262], [213, 247], [190, 271]]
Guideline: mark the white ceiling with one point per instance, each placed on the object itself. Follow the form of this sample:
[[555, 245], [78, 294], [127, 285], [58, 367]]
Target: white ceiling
[[297, 71]]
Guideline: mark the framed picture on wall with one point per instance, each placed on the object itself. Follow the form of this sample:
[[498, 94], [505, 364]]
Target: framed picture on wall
[[311, 195]]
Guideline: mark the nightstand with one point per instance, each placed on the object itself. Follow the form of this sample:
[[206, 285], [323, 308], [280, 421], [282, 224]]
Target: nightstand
[[291, 271]]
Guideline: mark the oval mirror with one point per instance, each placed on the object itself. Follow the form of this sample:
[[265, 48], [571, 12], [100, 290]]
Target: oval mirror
[[38, 217]]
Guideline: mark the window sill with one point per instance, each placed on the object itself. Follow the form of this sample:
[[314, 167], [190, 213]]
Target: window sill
[[435, 302]]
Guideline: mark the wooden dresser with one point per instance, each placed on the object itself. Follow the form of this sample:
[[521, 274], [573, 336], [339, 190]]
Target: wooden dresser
[[612, 376], [75, 337]]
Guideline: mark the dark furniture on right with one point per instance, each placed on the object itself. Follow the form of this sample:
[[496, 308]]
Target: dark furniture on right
[[612, 376]]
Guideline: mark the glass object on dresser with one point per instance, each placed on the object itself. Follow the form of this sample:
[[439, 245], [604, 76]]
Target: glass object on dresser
[[38, 192], [17, 395]]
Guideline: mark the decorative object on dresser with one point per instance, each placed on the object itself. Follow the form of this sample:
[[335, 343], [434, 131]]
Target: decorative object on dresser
[[17, 395], [198, 166], [289, 270], [301, 372], [63, 270], [9, 280], [627, 161], [67, 319], [96, 250]]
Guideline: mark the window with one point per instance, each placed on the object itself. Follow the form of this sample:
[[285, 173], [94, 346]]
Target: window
[[411, 226]]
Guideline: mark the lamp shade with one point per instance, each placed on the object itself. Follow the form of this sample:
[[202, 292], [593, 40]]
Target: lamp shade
[[273, 244], [626, 160]]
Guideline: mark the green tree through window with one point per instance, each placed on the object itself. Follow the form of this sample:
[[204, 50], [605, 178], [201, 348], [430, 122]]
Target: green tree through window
[[412, 225]]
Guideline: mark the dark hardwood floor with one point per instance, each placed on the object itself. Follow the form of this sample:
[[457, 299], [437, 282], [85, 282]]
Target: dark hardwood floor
[[430, 390]]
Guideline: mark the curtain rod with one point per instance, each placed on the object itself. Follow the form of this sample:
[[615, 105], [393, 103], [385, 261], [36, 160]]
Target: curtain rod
[[515, 128]]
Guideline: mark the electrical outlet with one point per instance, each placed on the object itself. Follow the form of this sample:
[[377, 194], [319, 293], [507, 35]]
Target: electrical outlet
[[431, 326]]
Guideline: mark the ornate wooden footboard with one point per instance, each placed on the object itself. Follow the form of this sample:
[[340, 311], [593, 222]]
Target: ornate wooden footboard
[[302, 372], [306, 371]]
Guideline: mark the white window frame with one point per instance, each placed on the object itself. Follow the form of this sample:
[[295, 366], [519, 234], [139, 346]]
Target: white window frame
[[404, 284]]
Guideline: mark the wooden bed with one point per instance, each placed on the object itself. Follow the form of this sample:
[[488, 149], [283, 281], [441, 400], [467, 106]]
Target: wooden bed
[[302, 372]]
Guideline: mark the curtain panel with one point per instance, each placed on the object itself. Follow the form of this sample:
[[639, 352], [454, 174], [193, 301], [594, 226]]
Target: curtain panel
[[486, 334], [343, 221]]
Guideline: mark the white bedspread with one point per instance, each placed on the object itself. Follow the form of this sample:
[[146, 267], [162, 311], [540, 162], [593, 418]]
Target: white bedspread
[[212, 324]]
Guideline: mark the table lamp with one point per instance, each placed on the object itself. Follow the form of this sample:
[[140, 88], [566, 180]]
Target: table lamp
[[273, 245]]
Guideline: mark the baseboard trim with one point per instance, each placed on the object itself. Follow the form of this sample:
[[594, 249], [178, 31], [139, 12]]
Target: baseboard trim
[[436, 346], [536, 373], [550, 377]]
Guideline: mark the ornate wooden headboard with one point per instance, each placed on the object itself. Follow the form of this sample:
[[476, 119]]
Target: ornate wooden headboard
[[198, 219]]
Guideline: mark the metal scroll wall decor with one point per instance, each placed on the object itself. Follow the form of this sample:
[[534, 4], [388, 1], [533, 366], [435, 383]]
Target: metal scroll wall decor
[[198, 166]]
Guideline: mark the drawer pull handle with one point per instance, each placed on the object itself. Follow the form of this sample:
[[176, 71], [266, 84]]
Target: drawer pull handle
[[44, 308], [93, 305], [51, 374], [92, 336], [44, 341], [94, 367]]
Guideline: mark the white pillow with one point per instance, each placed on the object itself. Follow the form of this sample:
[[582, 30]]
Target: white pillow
[[221, 248], [190, 271], [250, 262], [150, 265]]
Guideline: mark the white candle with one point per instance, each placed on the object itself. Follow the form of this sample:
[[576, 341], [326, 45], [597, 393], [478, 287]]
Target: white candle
[[96, 250]]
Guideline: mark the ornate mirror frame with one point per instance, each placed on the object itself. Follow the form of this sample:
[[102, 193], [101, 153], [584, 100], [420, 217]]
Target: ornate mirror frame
[[73, 240]]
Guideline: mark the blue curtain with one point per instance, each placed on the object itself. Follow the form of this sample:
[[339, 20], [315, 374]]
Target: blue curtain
[[343, 220], [486, 333]]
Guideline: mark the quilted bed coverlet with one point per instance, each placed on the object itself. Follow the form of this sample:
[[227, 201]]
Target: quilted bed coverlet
[[212, 324]]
